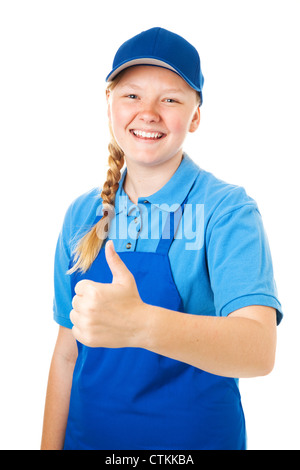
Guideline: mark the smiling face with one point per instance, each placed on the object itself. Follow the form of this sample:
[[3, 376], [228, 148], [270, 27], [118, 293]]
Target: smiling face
[[151, 110]]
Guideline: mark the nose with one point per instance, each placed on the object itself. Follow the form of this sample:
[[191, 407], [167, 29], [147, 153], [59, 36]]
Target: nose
[[149, 113]]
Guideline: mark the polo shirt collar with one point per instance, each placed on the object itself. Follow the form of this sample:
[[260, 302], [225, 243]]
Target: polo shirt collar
[[171, 195]]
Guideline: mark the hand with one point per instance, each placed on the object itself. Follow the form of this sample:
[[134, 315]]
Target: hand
[[109, 315]]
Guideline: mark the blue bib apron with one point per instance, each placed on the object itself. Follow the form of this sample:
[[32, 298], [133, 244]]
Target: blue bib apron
[[131, 398]]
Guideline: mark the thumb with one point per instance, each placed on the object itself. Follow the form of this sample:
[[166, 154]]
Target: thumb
[[119, 270]]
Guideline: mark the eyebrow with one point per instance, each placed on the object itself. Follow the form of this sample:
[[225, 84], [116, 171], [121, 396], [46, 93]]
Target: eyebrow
[[174, 90]]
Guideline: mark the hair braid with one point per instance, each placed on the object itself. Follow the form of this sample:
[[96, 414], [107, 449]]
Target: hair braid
[[89, 246]]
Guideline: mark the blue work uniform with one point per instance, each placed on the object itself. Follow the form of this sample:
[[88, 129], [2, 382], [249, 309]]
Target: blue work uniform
[[130, 398]]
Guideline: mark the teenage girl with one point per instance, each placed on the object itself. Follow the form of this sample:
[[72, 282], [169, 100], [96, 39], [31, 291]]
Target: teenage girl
[[164, 288]]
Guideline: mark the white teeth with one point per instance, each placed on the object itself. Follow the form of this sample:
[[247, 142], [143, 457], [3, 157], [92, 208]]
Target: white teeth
[[147, 135]]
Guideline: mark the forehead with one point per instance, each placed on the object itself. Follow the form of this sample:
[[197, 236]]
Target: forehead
[[142, 75]]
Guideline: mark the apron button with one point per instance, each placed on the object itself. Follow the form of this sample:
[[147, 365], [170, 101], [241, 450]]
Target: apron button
[[128, 246]]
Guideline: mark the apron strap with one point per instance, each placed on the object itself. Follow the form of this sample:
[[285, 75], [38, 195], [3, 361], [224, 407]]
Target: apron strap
[[170, 229]]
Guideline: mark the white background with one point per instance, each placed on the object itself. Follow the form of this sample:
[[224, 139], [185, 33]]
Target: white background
[[54, 57]]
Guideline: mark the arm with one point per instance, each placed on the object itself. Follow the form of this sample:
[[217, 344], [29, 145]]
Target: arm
[[58, 391], [240, 345]]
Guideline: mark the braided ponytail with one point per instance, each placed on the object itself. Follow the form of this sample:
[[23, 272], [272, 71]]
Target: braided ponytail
[[89, 246]]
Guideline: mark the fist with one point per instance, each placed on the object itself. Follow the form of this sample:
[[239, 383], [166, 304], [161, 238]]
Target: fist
[[109, 315]]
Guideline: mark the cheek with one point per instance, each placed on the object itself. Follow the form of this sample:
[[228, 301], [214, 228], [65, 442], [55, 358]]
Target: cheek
[[117, 122], [178, 125], [120, 118], [116, 117]]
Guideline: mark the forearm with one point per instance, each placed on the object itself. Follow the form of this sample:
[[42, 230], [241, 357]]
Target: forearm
[[57, 403], [232, 346]]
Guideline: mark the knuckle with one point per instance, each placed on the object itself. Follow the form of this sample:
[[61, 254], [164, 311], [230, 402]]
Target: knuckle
[[73, 317], [88, 338], [74, 301]]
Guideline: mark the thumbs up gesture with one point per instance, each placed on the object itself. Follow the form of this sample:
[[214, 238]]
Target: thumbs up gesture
[[109, 315]]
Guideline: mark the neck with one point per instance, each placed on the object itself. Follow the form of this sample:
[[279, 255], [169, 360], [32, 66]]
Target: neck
[[143, 181]]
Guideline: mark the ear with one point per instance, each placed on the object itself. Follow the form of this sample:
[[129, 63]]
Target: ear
[[195, 121], [108, 104]]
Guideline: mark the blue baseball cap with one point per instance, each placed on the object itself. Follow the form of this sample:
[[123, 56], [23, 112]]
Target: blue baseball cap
[[160, 48]]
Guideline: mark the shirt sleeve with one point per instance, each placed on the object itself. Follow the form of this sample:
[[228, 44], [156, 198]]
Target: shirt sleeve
[[239, 262], [62, 303]]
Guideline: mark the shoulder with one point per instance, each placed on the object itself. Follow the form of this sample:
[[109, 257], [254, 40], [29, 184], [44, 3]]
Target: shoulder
[[218, 196], [81, 214], [85, 205]]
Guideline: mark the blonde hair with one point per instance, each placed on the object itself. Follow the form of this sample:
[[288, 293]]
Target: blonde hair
[[89, 246]]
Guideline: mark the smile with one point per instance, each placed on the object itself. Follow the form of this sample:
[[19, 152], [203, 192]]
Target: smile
[[147, 135]]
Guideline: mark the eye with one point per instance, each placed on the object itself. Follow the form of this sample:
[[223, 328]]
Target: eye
[[170, 100], [132, 97]]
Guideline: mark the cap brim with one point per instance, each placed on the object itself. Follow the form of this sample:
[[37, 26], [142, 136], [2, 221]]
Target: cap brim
[[148, 61]]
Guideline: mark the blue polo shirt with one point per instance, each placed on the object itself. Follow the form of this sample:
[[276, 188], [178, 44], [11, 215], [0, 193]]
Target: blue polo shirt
[[220, 258]]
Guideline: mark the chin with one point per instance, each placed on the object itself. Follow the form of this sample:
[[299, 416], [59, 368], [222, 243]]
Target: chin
[[150, 160]]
